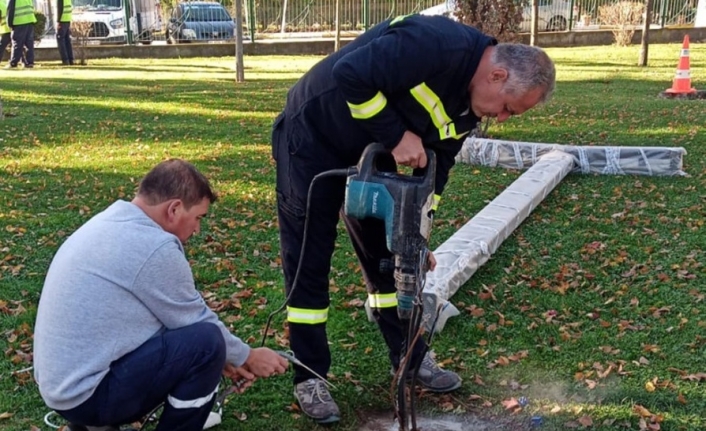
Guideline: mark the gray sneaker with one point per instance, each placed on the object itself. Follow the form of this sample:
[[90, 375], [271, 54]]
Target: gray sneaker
[[316, 401], [435, 379]]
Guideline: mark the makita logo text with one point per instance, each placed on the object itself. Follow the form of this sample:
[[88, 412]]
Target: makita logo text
[[375, 202]]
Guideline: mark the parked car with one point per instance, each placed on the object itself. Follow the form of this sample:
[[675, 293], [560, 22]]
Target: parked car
[[553, 15], [199, 21]]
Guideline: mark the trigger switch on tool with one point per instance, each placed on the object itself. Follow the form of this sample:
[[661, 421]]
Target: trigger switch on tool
[[387, 266]]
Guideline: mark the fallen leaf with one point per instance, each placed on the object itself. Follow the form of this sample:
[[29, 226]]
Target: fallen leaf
[[695, 377], [510, 404], [586, 421], [641, 411]]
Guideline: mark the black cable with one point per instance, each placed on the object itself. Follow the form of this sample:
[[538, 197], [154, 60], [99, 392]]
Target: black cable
[[414, 330], [417, 315], [334, 172], [402, 382]]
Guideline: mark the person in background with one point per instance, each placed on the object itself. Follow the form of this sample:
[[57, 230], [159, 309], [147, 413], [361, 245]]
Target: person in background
[[120, 325], [63, 31], [21, 19], [411, 83], [5, 33]]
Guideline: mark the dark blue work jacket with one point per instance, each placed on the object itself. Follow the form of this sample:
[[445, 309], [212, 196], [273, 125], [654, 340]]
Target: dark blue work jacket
[[409, 73]]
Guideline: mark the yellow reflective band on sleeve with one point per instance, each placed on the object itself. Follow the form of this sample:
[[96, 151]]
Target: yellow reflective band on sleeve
[[435, 202], [382, 300], [306, 316], [368, 109], [432, 104], [398, 19]]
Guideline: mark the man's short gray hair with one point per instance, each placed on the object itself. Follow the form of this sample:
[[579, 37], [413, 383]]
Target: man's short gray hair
[[528, 68]]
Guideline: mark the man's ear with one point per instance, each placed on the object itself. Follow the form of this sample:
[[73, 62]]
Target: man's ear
[[498, 75], [173, 209]]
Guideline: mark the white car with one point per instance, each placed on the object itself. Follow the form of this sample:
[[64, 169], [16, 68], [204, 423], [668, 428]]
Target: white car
[[554, 15]]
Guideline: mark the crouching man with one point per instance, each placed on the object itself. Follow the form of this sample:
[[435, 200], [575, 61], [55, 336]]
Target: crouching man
[[121, 327]]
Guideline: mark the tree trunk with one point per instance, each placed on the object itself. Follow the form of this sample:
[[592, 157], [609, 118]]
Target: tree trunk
[[645, 44]]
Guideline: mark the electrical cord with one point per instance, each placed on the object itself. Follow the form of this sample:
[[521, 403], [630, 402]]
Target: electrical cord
[[334, 172]]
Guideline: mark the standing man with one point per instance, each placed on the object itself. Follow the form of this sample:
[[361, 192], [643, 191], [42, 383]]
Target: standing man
[[410, 83], [21, 19], [63, 32], [121, 327], [5, 32]]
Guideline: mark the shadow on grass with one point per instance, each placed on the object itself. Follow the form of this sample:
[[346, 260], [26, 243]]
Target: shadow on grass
[[175, 68]]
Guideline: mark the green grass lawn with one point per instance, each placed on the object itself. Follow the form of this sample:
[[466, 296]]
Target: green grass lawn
[[594, 308]]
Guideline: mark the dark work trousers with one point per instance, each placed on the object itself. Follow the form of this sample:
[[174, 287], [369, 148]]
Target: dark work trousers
[[180, 367], [22, 37], [299, 158], [63, 42], [5, 41]]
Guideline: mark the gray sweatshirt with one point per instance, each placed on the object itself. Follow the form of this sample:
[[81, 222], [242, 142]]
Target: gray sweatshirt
[[116, 282]]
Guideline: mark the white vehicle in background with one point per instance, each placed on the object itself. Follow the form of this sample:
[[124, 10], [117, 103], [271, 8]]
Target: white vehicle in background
[[111, 20], [553, 15]]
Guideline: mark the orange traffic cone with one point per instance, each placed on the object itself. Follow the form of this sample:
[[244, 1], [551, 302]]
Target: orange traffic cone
[[682, 79]]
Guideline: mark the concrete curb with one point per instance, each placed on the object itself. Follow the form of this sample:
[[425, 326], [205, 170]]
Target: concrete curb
[[325, 46]]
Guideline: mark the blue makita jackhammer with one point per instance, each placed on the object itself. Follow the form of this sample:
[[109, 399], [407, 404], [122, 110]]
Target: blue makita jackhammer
[[404, 203]]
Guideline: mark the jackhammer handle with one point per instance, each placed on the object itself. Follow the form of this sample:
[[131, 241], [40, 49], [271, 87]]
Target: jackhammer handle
[[375, 153]]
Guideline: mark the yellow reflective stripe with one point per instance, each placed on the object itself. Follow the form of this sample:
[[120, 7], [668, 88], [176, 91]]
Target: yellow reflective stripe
[[449, 131], [398, 19], [432, 104], [24, 10], [435, 202], [370, 108], [307, 316], [382, 300]]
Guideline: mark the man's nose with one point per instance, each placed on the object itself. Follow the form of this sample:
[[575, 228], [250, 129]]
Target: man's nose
[[503, 116]]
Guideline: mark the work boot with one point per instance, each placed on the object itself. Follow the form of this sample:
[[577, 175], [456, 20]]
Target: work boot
[[435, 379], [316, 402]]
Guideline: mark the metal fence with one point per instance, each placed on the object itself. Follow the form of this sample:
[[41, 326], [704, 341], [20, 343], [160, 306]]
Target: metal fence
[[665, 13], [175, 21]]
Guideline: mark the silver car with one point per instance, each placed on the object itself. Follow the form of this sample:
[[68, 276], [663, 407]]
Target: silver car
[[200, 21]]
